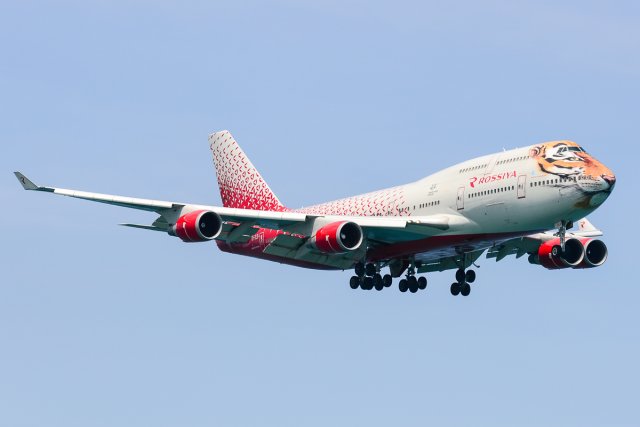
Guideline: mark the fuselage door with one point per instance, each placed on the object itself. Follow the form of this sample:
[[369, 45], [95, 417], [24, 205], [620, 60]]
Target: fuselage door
[[491, 165], [460, 200], [522, 186]]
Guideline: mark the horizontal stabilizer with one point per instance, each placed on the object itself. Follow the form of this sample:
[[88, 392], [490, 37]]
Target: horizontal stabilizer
[[144, 227]]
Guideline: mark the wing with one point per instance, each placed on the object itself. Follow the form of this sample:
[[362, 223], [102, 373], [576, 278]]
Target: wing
[[239, 225], [531, 243], [168, 210]]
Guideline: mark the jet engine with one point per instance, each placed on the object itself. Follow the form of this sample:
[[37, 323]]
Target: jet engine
[[197, 226], [338, 237], [550, 254], [595, 253]]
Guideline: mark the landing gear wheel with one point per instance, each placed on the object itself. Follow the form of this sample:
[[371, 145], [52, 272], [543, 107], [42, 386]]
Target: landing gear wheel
[[460, 275], [470, 276], [377, 282], [413, 284], [403, 285], [455, 289], [359, 269], [387, 280], [370, 269], [466, 290], [367, 283], [422, 282], [354, 282]]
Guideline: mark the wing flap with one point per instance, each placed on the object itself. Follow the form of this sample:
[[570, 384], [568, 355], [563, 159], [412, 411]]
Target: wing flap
[[238, 233], [452, 262], [285, 245]]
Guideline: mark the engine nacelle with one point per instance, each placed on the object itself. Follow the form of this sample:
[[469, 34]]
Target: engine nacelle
[[338, 237], [197, 226], [595, 253], [551, 256]]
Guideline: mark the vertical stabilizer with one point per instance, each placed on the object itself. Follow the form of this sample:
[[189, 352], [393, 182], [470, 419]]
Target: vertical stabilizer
[[241, 185]]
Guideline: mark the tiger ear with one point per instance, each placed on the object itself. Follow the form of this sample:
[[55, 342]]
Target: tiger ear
[[536, 151]]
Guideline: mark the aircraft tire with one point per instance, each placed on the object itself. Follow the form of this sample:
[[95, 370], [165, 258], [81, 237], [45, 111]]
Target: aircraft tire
[[413, 284], [359, 268], [422, 282], [403, 285], [460, 275], [387, 280], [354, 282], [466, 290], [377, 282], [455, 289], [470, 276], [367, 283], [370, 269]]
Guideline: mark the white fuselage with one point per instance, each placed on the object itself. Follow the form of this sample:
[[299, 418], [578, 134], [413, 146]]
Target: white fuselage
[[523, 190]]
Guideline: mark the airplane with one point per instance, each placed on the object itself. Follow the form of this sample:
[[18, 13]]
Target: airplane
[[516, 202]]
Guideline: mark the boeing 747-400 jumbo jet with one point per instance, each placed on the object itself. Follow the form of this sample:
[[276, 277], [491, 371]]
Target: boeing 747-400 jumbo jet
[[517, 202]]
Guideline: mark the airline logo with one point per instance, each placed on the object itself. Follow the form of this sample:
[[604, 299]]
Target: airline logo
[[491, 178]]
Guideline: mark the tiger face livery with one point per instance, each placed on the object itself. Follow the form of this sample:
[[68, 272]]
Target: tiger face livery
[[568, 160]]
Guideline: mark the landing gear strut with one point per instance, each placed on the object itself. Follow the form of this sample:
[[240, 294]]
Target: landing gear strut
[[562, 232]]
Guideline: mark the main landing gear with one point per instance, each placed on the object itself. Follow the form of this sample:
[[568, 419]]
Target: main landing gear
[[462, 284], [368, 277], [411, 283]]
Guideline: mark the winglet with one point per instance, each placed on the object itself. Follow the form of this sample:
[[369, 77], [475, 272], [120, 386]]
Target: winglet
[[27, 184]]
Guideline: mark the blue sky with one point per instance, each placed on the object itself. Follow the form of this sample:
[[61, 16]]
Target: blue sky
[[102, 325]]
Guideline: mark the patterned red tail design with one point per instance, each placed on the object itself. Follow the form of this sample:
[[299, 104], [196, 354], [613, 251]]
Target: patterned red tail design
[[241, 185]]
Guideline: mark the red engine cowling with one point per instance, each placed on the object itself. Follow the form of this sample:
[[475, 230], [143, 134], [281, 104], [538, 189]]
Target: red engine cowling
[[595, 253], [551, 256], [197, 226], [338, 237]]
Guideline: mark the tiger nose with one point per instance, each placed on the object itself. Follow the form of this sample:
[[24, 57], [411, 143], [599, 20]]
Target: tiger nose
[[609, 179]]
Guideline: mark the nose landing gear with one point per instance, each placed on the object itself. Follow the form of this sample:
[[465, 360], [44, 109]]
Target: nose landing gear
[[563, 226]]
